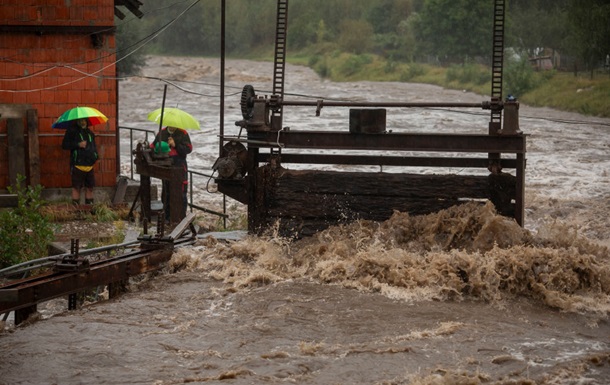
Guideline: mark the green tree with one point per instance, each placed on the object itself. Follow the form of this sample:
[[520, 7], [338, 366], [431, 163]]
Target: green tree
[[184, 36], [453, 31], [385, 15], [321, 32], [355, 36], [456, 30], [130, 50], [590, 27], [407, 41], [519, 77], [537, 24], [303, 25], [250, 25]]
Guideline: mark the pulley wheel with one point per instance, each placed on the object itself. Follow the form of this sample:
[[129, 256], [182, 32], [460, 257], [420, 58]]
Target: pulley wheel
[[247, 101]]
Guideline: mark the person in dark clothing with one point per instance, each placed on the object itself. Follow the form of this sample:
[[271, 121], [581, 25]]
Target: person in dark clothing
[[80, 141], [180, 146]]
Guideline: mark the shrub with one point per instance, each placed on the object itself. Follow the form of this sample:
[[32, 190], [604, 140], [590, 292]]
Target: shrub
[[467, 74], [24, 232], [103, 213], [322, 69], [313, 60], [356, 36], [519, 77], [354, 64], [412, 71]]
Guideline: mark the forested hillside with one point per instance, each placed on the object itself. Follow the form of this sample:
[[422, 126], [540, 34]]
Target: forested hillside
[[428, 31], [444, 42]]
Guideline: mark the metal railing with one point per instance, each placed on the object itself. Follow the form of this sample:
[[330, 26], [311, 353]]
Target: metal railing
[[131, 131], [191, 175]]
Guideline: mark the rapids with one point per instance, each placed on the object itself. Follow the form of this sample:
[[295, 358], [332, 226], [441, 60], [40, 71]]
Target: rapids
[[462, 296]]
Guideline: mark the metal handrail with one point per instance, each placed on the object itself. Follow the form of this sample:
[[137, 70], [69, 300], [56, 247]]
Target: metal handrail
[[131, 130], [190, 199]]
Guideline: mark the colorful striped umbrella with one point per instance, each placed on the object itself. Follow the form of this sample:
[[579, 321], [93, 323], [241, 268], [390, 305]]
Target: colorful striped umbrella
[[69, 117]]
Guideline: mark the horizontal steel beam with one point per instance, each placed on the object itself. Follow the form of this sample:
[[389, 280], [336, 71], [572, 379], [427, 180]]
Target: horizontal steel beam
[[474, 143], [381, 160], [9, 295], [325, 103], [30, 291]]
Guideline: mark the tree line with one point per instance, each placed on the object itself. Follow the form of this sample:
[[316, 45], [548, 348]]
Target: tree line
[[427, 31]]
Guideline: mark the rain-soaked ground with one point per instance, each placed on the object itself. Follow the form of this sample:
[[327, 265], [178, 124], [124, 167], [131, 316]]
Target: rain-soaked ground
[[462, 296]]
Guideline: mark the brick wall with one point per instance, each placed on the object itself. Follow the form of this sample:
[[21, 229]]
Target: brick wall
[[56, 55]]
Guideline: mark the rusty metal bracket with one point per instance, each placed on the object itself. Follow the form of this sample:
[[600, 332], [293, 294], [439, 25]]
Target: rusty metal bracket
[[70, 263], [160, 241], [275, 102], [319, 105]]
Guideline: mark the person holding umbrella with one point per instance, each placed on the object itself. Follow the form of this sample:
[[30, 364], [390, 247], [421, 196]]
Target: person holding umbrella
[[80, 141], [180, 146]]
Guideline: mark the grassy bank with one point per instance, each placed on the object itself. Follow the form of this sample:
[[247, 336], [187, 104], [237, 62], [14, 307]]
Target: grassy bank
[[560, 90]]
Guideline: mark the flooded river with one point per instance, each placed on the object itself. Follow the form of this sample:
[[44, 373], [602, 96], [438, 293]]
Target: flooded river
[[462, 296]]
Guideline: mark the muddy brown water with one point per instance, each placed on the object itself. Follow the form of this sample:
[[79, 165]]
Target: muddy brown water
[[462, 296]]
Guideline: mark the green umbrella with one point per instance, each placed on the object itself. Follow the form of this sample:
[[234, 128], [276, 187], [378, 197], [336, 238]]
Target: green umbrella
[[68, 118], [174, 117]]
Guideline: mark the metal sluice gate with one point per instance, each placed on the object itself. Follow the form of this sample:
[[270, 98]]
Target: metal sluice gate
[[251, 168]]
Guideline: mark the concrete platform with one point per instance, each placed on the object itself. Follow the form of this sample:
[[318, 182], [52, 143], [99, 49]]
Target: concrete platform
[[100, 194]]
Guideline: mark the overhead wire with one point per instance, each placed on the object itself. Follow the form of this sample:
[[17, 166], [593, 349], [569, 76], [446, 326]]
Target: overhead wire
[[142, 42], [173, 82], [7, 59]]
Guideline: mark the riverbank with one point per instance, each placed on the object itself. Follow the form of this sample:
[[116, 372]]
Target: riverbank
[[565, 91]]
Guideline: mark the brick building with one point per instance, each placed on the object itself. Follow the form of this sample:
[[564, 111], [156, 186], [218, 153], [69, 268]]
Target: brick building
[[56, 55]]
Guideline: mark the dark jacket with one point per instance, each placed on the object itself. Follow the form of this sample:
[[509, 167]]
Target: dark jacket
[[181, 150], [80, 156]]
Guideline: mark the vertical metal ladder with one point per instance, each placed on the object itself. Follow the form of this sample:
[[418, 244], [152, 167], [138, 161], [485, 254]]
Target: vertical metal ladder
[[497, 59], [280, 58]]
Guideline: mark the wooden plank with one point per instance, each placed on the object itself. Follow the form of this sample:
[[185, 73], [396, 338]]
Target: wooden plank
[[121, 189], [342, 207], [305, 200], [8, 200], [176, 197], [33, 147], [382, 184], [13, 110], [473, 143], [144, 195], [171, 174], [182, 226], [520, 191], [385, 160], [16, 150]]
